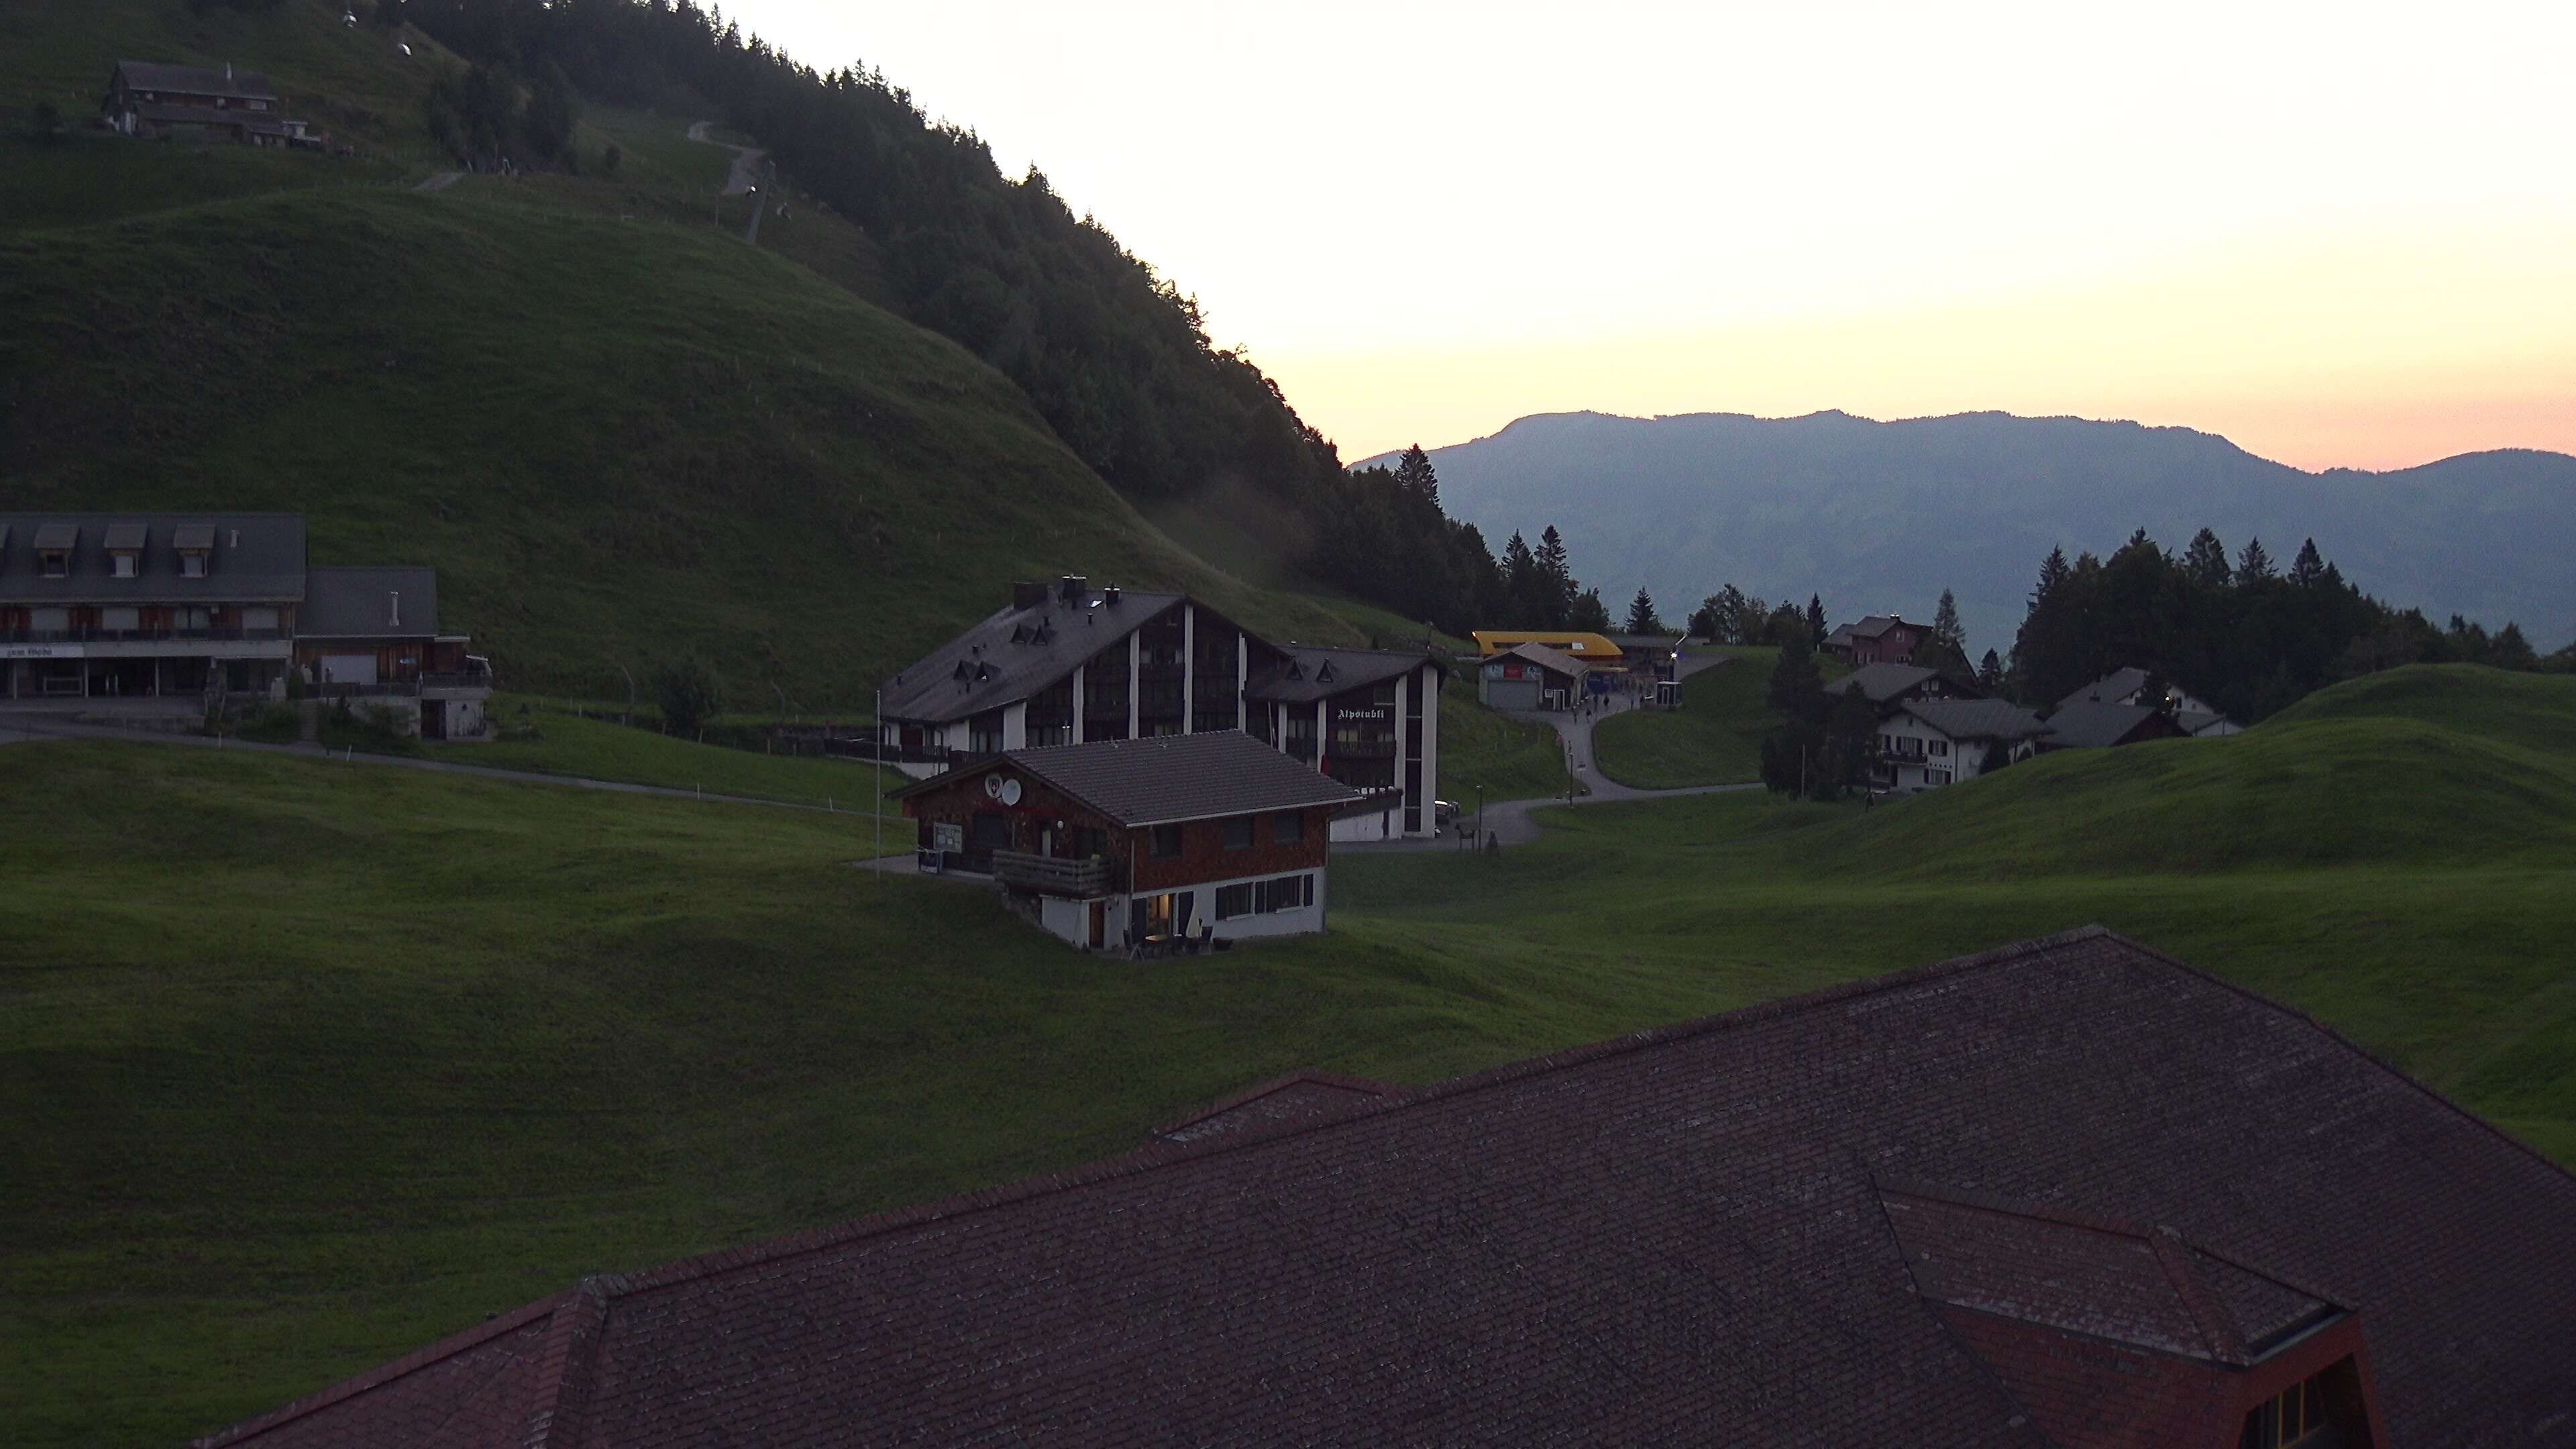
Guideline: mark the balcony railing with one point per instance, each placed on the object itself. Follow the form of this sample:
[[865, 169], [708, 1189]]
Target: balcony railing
[[137, 636], [467, 679], [1048, 876]]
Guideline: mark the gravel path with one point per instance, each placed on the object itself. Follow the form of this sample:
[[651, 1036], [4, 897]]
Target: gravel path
[[744, 177]]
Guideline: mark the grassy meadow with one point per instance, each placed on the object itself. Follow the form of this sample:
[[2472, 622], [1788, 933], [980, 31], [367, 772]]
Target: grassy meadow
[[307, 1064]]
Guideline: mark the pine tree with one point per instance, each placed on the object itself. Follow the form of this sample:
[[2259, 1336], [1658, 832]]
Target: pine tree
[[1523, 585], [2254, 565], [1816, 630], [1947, 635], [2309, 567], [1990, 674], [2512, 651], [1641, 614], [1558, 577], [1414, 475], [2205, 561], [1588, 613]]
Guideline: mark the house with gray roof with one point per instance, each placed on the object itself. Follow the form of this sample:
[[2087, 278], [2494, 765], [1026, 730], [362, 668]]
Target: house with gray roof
[[2197, 716], [1143, 843], [1924, 744], [2093, 726], [159, 102], [1069, 663], [1889, 685]]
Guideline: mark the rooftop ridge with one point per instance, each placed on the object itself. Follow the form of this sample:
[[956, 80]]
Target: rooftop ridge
[[383, 1374], [2218, 1327], [1254, 1093], [1159, 1154]]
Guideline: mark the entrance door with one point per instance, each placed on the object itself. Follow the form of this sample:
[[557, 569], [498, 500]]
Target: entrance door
[[1099, 924], [433, 719]]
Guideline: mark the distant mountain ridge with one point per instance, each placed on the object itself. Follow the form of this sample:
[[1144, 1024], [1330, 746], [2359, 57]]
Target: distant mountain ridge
[[1881, 516]]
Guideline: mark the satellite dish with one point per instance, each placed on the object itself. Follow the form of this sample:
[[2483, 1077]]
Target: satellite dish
[[992, 787], [1010, 792]]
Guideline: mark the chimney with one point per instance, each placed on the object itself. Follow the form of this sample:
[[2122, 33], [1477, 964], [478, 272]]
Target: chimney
[[393, 606], [1075, 587], [1109, 596], [1027, 594]]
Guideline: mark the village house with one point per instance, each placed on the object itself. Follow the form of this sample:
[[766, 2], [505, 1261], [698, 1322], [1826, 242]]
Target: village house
[[372, 634], [1529, 677], [119, 609], [1074, 664], [2090, 726], [147, 99], [1927, 743], [1596, 650], [2196, 716], [2072, 1194], [1122, 844], [1889, 685], [1877, 639]]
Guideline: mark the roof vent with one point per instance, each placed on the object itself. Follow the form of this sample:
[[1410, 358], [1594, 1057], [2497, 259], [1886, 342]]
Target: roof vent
[[983, 672], [1109, 596], [393, 609], [1073, 587], [960, 672], [1324, 674], [1020, 633], [1294, 672]]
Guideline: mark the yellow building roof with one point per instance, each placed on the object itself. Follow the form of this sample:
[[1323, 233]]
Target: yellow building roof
[[1588, 647]]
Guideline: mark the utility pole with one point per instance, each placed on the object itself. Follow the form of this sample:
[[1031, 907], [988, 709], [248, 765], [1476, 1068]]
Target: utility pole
[[876, 779]]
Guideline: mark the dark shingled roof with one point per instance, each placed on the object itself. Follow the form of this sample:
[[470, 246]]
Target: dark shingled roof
[[2111, 688], [197, 80], [1881, 682], [1166, 778], [1013, 653], [361, 603], [1977, 719], [2096, 726], [1868, 628], [253, 558], [1681, 1236], [1312, 673], [1298, 1097], [1540, 654]]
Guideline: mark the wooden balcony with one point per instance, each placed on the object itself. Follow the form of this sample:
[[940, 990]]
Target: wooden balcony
[[1048, 876]]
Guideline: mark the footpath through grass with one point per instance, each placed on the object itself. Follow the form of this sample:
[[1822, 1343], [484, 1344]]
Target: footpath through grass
[[1715, 738], [301, 1068]]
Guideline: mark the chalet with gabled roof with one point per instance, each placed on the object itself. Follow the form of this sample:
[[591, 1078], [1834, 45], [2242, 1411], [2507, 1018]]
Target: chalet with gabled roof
[[1069, 663], [1877, 639], [159, 102], [2072, 1194]]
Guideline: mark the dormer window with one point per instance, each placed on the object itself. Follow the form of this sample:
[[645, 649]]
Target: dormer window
[[192, 565], [194, 541], [124, 548], [54, 563], [53, 546], [122, 565]]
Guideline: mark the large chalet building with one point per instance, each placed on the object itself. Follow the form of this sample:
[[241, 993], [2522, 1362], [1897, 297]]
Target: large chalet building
[[2072, 1194], [197, 608], [1120, 843], [1877, 639], [157, 101], [1069, 664]]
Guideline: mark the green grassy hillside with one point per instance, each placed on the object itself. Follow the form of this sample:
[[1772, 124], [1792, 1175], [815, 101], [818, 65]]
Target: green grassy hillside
[[1715, 738], [615, 440], [305, 1064]]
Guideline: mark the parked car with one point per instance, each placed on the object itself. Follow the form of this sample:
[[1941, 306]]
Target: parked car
[[1444, 816]]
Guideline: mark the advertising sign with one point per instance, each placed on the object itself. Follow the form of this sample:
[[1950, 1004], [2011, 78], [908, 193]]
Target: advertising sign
[[40, 651], [948, 839]]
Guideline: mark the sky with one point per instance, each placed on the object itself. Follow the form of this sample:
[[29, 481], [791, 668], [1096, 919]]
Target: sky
[[2340, 235]]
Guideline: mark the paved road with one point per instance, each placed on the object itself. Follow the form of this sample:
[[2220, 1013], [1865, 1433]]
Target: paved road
[[1509, 820], [744, 177], [20, 728]]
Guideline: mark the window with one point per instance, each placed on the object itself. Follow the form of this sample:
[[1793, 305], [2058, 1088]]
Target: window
[[121, 565], [1238, 832], [55, 563], [1940, 747], [1234, 900], [1288, 827], [120, 619], [192, 566], [1164, 842], [2294, 1416]]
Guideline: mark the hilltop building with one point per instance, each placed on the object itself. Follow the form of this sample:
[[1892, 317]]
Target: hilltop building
[[2067, 1195], [1073, 664], [160, 102], [1530, 676], [1597, 650], [1877, 639], [1924, 744], [1121, 842], [2197, 717], [197, 608]]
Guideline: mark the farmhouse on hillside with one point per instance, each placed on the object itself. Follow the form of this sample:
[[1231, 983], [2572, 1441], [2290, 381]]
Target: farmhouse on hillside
[[111, 610], [1889, 685], [2067, 1195], [1119, 844], [2091, 726], [159, 102], [1877, 639], [1927, 743], [2198, 718], [1073, 664]]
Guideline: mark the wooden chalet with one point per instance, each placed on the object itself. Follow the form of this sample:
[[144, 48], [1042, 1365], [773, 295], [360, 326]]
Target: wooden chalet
[[1140, 844]]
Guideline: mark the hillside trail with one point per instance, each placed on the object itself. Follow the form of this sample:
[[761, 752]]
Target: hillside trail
[[1510, 821], [744, 177], [440, 182]]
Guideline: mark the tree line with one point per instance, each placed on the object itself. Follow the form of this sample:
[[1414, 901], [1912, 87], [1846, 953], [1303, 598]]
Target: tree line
[[1113, 355]]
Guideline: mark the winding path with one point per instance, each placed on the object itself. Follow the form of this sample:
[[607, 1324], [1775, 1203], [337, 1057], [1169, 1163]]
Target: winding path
[[1509, 821], [745, 176]]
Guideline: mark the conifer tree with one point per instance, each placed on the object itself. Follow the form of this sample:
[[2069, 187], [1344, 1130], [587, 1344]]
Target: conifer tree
[[2512, 651], [1816, 630], [2205, 561], [2308, 569], [1588, 612], [2254, 565], [1990, 674], [1947, 635], [1641, 614], [1558, 577], [1414, 475]]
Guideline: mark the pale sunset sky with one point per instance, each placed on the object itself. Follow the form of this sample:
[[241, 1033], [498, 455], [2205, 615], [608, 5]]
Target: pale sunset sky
[[2337, 234]]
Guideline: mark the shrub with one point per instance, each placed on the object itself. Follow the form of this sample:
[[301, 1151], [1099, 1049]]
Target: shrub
[[689, 692]]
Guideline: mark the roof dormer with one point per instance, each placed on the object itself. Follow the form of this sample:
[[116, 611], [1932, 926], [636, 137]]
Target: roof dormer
[[195, 543], [53, 547], [123, 544]]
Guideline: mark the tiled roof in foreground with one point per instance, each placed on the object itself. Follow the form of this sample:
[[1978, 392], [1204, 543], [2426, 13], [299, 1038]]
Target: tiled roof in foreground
[[1682, 1236]]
